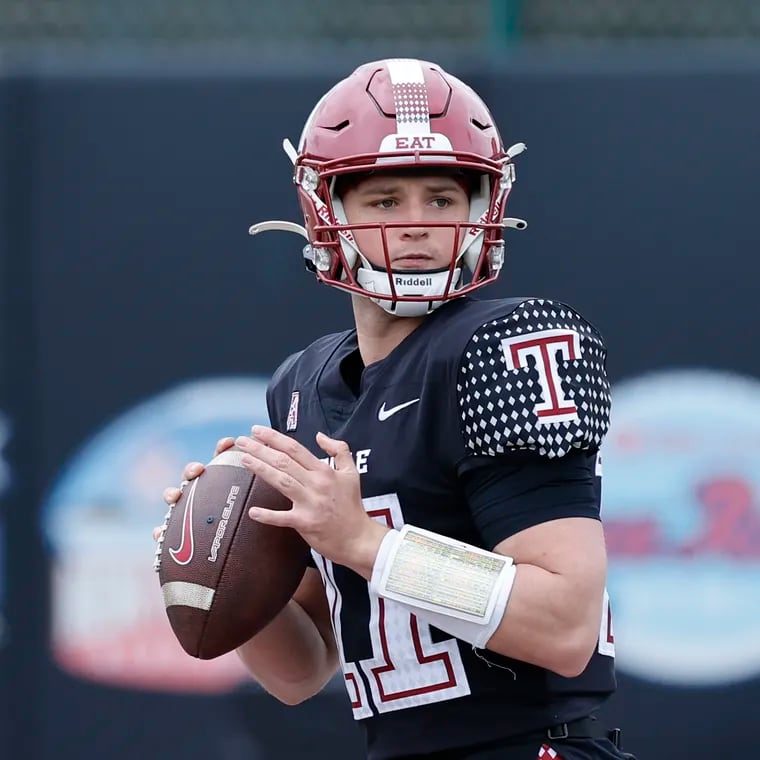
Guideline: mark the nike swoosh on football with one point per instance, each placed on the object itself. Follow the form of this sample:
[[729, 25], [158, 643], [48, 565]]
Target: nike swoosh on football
[[384, 413], [184, 552]]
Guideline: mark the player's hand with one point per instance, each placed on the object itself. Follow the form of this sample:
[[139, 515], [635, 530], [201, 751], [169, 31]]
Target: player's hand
[[327, 506], [192, 470]]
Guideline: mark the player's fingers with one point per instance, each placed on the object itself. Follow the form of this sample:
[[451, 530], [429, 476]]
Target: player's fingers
[[172, 494], [277, 459], [157, 531], [223, 444], [282, 518], [284, 482], [338, 450], [192, 470], [287, 445]]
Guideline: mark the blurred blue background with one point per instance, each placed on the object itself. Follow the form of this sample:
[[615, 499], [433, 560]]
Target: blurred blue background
[[139, 322]]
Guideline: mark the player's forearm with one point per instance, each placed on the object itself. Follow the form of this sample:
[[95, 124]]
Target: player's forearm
[[550, 621], [289, 658]]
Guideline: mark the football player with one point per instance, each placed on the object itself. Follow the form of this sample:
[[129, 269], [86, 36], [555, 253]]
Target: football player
[[442, 454]]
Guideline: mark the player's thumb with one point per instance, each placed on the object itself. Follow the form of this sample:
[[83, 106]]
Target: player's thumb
[[338, 450]]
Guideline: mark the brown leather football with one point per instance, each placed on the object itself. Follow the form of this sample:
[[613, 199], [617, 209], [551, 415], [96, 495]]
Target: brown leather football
[[224, 576]]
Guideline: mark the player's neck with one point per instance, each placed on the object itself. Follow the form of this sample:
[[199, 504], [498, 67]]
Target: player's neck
[[378, 332]]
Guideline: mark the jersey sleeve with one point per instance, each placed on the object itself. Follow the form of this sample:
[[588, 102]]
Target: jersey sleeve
[[506, 496], [533, 381], [534, 406]]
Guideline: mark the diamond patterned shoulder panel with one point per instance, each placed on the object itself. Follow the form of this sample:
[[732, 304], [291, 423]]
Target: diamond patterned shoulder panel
[[534, 380]]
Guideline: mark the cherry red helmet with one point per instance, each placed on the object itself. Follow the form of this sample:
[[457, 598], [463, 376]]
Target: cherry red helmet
[[399, 114]]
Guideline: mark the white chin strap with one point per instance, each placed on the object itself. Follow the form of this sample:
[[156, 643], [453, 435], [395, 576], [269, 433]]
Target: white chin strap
[[423, 284]]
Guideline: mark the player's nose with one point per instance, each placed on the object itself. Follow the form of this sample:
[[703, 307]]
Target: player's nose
[[416, 232]]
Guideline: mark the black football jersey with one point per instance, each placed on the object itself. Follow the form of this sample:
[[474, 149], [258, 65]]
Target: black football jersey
[[485, 420]]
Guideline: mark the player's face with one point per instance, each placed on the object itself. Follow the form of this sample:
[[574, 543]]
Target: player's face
[[408, 198]]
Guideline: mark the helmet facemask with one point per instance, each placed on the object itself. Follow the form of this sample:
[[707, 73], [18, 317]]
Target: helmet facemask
[[477, 253]]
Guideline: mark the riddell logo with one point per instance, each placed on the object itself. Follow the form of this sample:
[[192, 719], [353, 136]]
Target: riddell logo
[[419, 282], [222, 527]]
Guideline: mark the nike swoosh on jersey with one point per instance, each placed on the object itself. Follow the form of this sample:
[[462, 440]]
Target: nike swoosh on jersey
[[384, 413], [184, 552]]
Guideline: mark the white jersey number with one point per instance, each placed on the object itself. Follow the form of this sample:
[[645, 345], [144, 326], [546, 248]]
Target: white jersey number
[[606, 635], [406, 668]]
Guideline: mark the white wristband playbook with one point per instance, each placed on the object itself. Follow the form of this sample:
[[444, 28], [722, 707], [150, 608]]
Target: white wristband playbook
[[458, 588]]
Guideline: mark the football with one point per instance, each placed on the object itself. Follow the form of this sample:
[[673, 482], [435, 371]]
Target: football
[[224, 576]]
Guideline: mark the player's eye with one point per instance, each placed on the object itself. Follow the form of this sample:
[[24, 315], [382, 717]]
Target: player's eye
[[386, 203], [441, 202]]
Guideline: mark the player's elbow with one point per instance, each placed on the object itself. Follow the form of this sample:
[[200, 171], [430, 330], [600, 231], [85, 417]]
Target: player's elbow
[[291, 687], [571, 666], [573, 651], [293, 698], [292, 694], [295, 693]]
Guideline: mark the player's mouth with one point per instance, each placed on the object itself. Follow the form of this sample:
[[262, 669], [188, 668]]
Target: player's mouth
[[414, 261]]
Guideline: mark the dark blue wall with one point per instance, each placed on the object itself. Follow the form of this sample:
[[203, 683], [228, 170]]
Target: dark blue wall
[[126, 267]]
